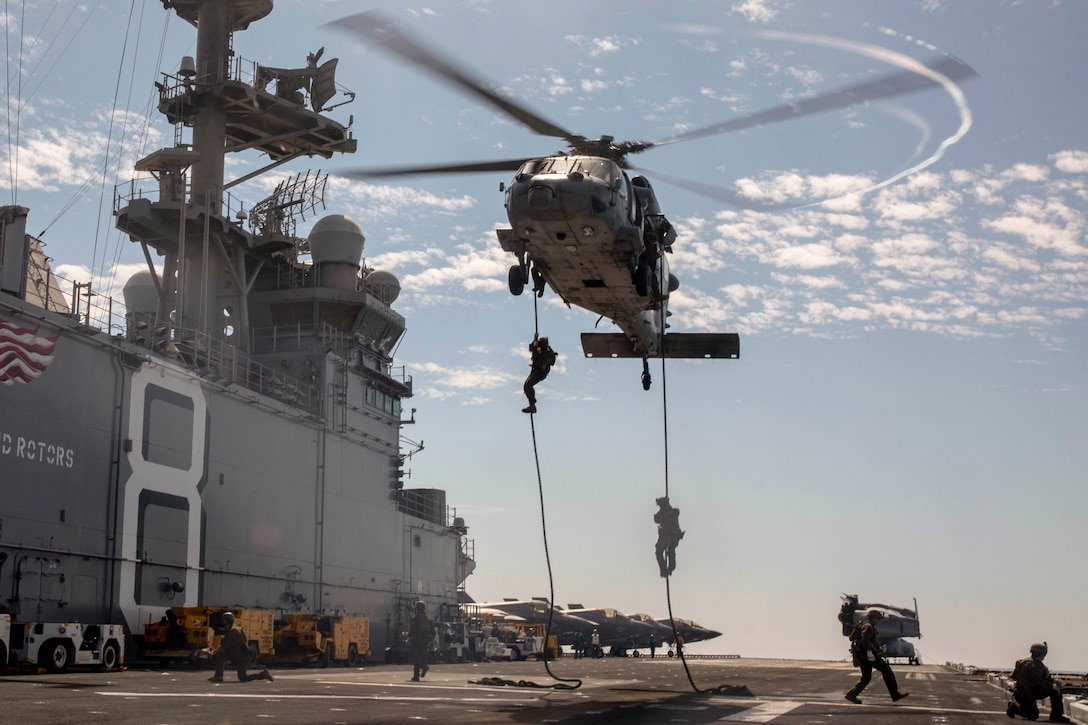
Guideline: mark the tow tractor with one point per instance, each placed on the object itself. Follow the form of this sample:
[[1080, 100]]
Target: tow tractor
[[57, 646], [188, 633], [516, 642]]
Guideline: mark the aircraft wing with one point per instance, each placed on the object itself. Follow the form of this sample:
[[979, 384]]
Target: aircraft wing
[[501, 617], [717, 345], [536, 612]]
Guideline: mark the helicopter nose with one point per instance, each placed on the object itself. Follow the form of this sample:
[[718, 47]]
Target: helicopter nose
[[540, 197]]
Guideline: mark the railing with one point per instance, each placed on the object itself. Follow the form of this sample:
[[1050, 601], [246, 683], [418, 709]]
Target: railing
[[87, 308], [240, 70], [127, 192], [217, 359], [210, 356], [298, 338]]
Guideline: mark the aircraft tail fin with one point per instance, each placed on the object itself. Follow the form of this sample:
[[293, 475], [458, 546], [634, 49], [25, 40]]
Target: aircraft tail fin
[[717, 345]]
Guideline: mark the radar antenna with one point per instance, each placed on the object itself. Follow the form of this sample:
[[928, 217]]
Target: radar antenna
[[277, 215]]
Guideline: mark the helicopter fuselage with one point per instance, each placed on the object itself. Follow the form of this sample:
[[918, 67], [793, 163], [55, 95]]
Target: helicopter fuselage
[[596, 237]]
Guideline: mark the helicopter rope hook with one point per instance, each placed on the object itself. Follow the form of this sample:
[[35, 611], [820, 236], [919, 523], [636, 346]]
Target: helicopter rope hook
[[732, 690]]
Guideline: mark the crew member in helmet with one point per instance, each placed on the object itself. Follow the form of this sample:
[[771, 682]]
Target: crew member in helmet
[[234, 649], [420, 637], [866, 651], [1031, 682], [541, 359], [669, 534]]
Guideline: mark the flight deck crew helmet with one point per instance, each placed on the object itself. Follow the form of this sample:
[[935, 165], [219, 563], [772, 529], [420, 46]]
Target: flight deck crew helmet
[[421, 606], [875, 614], [1038, 650], [228, 617]]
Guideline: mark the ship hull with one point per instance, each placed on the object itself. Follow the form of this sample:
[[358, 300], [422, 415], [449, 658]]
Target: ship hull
[[132, 483]]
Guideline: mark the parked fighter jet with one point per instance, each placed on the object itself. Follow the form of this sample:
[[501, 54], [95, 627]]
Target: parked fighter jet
[[618, 632], [897, 624], [664, 631], [689, 630], [535, 611]]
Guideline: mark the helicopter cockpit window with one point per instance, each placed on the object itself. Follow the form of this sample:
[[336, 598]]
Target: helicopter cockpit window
[[602, 169], [550, 165], [592, 166]]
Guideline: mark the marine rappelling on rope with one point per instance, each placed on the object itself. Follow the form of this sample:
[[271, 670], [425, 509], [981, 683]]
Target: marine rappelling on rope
[[669, 534], [541, 359]]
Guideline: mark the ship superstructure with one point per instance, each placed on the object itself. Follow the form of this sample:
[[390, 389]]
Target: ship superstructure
[[237, 441]]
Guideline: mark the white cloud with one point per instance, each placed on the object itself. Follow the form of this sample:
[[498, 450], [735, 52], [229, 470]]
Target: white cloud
[[601, 46], [480, 377], [1047, 224], [379, 201], [924, 254], [1071, 162], [807, 256], [756, 11]]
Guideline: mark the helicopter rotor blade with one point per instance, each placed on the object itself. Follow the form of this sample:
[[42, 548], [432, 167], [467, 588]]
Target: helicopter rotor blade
[[731, 197], [374, 27], [470, 166], [892, 84]]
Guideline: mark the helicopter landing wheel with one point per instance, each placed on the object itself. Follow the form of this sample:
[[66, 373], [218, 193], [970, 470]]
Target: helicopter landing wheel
[[645, 374], [516, 280]]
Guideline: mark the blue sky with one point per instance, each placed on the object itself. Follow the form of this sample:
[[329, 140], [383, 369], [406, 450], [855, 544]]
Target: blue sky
[[908, 415]]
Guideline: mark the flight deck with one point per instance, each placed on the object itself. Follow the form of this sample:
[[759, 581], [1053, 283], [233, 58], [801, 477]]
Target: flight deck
[[621, 690]]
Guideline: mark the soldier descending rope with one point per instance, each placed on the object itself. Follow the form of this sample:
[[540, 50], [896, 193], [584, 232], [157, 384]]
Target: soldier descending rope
[[668, 535], [541, 359]]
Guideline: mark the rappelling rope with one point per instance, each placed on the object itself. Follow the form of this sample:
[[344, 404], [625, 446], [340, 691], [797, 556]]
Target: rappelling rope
[[548, 560], [721, 689], [668, 589], [547, 555]]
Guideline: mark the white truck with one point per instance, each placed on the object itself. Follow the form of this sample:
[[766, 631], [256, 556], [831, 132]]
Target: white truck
[[517, 649], [5, 637], [56, 646]]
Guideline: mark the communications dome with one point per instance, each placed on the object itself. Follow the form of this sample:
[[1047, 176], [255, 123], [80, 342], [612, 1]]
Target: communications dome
[[140, 294], [336, 246], [384, 285], [336, 239]]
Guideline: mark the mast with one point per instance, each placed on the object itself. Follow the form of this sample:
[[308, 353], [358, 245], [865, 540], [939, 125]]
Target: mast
[[195, 223]]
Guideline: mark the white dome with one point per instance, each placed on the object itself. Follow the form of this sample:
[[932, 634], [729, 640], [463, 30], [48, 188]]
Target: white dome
[[336, 239], [140, 293], [384, 285]]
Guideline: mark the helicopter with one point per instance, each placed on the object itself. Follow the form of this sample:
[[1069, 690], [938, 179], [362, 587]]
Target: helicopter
[[898, 624], [592, 232]]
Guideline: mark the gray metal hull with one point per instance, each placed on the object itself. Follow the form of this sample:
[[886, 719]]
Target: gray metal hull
[[130, 484]]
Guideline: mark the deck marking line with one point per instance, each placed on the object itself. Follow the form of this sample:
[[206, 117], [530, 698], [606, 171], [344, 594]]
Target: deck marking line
[[763, 712], [276, 696]]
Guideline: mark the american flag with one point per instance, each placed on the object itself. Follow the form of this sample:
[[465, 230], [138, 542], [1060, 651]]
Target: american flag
[[23, 355]]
